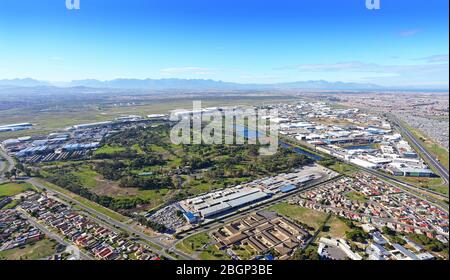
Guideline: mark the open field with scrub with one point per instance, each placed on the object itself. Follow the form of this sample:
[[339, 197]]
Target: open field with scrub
[[140, 169]]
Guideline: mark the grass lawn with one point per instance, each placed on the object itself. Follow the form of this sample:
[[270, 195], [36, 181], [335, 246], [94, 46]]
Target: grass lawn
[[356, 196], [343, 168], [193, 243], [198, 243], [440, 189], [86, 202], [87, 177], [245, 252], [11, 189], [335, 228], [212, 253], [434, 184], [38, 250], [307, 216], [108, 150]]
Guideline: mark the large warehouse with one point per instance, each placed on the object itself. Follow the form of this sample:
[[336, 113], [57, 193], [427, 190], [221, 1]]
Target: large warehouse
[[213, 204]]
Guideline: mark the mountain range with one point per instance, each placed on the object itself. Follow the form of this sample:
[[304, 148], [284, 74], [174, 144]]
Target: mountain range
[[192, 84]]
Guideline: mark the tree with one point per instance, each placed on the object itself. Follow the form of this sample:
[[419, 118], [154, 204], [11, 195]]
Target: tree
[[14, 173], [308, 254], [8, 175]]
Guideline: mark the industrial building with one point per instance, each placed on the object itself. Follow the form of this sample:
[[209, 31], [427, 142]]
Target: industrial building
[[260, 232], [213, 204], [15, 127]]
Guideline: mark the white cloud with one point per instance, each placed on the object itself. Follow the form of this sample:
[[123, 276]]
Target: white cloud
[[432, 73], [435, 58], [409, 32]]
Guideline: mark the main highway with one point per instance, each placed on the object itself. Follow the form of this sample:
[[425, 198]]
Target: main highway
[[6, 164], [443, 172]]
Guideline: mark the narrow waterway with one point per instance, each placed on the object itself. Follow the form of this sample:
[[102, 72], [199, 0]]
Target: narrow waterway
[[248, 133]]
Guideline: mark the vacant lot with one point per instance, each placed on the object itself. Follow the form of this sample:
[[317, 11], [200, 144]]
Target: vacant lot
[[357, 196], [312, 218], [38, 250], [11, 189], [335, 227], [200, 245]]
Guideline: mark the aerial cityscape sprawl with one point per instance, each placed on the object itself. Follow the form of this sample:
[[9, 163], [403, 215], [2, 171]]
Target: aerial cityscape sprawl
[[153, 137], [343, 194]]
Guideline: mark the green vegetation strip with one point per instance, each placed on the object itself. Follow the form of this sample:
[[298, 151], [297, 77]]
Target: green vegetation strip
[[34, 251], [312, 218], [85, 202], [201, 244], [11, 189]]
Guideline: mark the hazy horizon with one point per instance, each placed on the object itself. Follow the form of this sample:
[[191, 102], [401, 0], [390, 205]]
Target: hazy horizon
[[404, 44]]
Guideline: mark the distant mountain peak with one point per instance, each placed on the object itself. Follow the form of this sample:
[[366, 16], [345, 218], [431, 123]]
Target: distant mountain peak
[[190, 84]]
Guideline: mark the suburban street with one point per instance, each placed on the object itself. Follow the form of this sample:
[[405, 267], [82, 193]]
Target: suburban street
[[106, 219], [425, 193], [54, 236]]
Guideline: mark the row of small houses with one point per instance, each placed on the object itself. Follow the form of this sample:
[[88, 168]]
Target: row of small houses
[[101, 242]]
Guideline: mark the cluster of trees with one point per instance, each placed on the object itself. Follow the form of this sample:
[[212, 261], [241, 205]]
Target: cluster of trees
[[430, 243], [70, 182], [309, 253], [127, 138], [196, 162], [127, 153], [327, 162], [18, 169], [111, 170], [223, 161], [146, 182], [357, 235], [151, 159], [284, 159]]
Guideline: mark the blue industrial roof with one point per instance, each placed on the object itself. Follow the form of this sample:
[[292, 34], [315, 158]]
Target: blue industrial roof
[[287, 188]]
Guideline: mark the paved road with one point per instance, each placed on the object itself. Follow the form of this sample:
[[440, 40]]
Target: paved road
[[424, 191], [53, 235], [6, 164], [443, 172], [106, 219]]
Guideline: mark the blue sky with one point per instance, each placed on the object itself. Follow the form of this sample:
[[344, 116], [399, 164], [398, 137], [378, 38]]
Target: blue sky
[[405, 43]]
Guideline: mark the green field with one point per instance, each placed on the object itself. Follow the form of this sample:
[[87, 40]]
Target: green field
[[11, 189], [340, 167], [312, 218], [108, 150], [141, 169], [334, 227], [435, 184], [68, 113], [200, 245], [343, 168], [35, 251], [356, 196]]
